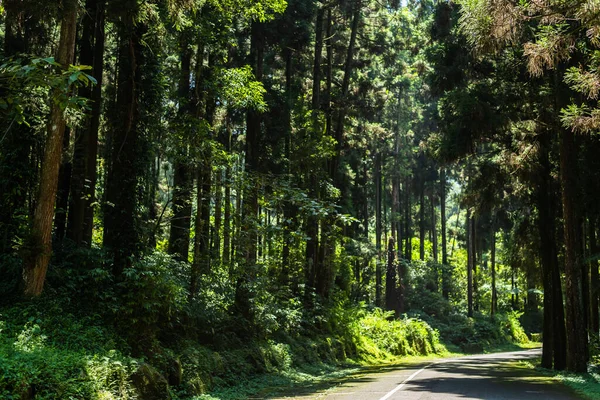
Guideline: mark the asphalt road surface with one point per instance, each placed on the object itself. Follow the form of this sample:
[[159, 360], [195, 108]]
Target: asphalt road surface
[[489, 376]]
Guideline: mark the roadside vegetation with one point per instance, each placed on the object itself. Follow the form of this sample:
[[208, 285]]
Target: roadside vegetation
[[211, 197], [157, 344]]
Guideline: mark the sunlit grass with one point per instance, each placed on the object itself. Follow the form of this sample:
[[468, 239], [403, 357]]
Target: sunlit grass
[[586, 385]]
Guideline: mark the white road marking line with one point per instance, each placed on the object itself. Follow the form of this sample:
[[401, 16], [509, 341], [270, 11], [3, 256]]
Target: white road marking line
[[400, 386]]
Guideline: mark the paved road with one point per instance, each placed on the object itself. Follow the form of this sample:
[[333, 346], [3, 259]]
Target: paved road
[[489, 376]]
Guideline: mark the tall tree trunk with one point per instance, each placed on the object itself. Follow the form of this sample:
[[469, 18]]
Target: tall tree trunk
[[378, 200], [395, 213], [18, 173], [227, 200], [434, 233], [312, 223], [252, 166], [179, 235], [408, 222], [585, 275], [289, 213], [594, 280], [577, 347], [216, 236], [62, 195], [470, 262], [120, 222], [391, 300], [475, 261], [83, 179], [421, 217], [339, 130], [200, 264], [493, 265], [36, 263], [445, 267]]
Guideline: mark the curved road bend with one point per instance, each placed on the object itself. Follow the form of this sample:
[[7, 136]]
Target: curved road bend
[[487, 376]]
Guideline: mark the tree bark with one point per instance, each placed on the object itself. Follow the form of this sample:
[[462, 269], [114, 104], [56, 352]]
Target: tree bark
[[83, 179], [493, 266], [62, 195], [445, 267], [36, 263], [312, 223], [252, 166], [120, 222], [474, 262], [470, 260], [594, 279], [179, 235], [391, 295], [227, 200], [378, 195], [216, 236], [408, 222], [577, 347], [434, 233], [421, 217]]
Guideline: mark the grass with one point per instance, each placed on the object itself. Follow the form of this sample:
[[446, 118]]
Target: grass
[[586, 385], [500, 348]]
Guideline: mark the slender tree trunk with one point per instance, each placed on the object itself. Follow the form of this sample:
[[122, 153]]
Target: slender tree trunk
[[252, 166], [202, 242], [216, 236], [378, 195], [227, 201], [391, 300], [493, 265], [408, 222], [83, 180], [17, 140], [475, 261], [470, 261], [339, 130], [62, 195], [445, 267], [395, 205], [594, 280], [434, 233], [120, 222], [585, 276], [577, 349], [36, 263], [312, 223], [179, 235], [289, 213], [421, 218]]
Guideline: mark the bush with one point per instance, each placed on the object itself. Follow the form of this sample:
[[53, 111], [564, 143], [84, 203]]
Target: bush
[[503, 328], [379, 334], [30, 366]]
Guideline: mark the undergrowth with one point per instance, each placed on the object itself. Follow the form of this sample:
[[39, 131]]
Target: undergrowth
[[91, 336]]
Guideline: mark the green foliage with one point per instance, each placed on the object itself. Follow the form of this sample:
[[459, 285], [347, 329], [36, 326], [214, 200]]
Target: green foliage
[[28, 82], [31, 364], [261, 10], [239, 89], [502, 328], [397, 337]]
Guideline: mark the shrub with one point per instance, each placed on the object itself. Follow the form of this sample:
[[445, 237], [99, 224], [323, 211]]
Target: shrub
[[30, 366], [380, 333]]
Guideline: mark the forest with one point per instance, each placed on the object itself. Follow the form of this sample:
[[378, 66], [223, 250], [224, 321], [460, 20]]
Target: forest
[[200, 199]]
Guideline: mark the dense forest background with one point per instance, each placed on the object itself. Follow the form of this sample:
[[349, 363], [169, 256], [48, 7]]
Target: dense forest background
[[195, 192]]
